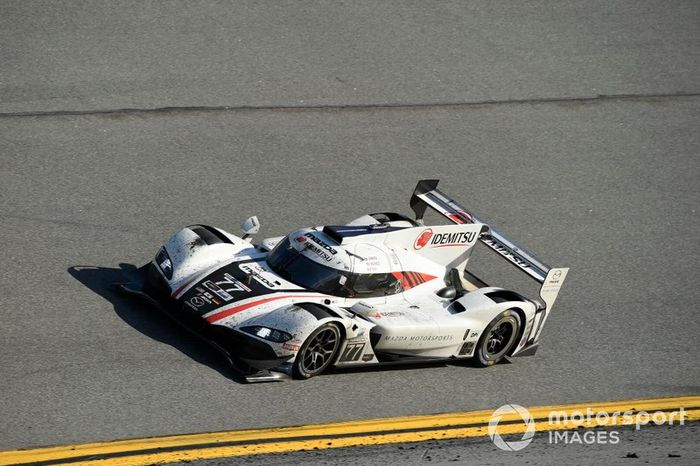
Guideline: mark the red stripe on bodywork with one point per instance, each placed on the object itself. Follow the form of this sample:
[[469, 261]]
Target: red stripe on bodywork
[[461, 217], [424, 277], [416, 278], [410, 279], [177, 292], [402, 278], [222, 314], [456, 218]]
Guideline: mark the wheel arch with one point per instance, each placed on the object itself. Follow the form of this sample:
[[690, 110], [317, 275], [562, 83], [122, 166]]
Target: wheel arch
[[299, 369], [511, 300], [521, 331], [322, 313]]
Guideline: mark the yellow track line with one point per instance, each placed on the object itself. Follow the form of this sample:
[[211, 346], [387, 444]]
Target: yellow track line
[[190, 447]]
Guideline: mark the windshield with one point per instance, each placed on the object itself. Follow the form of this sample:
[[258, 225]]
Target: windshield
[[291, 265]]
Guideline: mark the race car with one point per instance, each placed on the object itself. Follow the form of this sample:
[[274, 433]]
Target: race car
[[383, 288]]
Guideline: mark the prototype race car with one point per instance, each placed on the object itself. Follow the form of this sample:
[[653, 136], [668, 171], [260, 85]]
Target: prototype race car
[[384, 288]]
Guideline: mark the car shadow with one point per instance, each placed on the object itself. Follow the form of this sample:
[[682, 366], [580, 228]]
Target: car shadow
[[147, 320], [401, 366]]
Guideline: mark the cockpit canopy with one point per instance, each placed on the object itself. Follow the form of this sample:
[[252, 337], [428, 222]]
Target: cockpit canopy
[[312, 260]]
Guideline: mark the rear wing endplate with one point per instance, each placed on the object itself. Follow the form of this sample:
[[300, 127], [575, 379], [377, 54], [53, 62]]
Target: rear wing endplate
[[427, 195]]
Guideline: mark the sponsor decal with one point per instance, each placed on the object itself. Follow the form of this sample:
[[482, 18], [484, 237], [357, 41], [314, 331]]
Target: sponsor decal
[[216, 289], [467, 348], [318, 246], [363, 309], [372, 263], [506, 252], [363, 306], [440, 240], [395, 337], [319, 252], [419, 338], [352, 352], [255, 273], [321, 243], [198, 301], [231, 284], [291, 346], [422, 239], [204, 297], [378, 315], [431, 338]]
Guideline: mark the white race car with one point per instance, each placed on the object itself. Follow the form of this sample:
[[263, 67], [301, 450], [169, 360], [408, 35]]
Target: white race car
[[384, 288]]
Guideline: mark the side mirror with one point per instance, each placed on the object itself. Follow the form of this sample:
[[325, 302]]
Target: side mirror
[[449, 292], [250, 227]]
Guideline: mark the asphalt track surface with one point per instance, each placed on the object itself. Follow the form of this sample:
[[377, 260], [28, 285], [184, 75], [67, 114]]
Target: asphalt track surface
[[652, 445], [571, 126]]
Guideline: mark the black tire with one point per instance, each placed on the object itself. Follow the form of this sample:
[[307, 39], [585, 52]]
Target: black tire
[[500, 336], [318, 351]]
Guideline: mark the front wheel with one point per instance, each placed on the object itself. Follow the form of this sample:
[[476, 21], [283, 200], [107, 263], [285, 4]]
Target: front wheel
[[498, 339], [318, 351]]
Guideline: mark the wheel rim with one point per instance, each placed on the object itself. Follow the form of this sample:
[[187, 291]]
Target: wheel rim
[[320, 350], [500, 338]]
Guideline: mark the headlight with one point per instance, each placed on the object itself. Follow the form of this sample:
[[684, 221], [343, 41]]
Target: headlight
[[271, 334], [164, 262]]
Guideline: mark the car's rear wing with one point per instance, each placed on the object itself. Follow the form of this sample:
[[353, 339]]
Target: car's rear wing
[[427, 195]]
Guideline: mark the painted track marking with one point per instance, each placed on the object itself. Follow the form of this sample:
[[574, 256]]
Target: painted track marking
[[191, 447]]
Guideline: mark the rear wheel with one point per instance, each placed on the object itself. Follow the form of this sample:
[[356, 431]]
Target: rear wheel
[[318, 351], [498, 339]]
